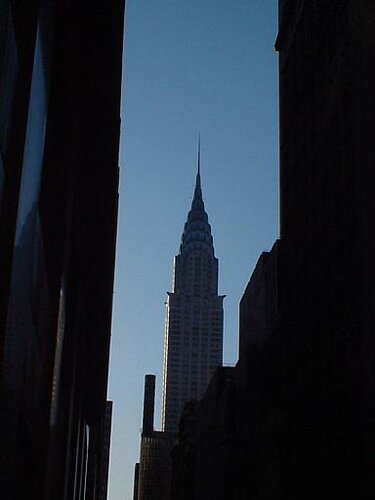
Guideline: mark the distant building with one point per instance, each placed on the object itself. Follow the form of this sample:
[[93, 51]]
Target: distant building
[[152, 480], [193, 346], [60, 83], [98, 457], [193, 349], [202, 460], [136, 482], [258, 305]]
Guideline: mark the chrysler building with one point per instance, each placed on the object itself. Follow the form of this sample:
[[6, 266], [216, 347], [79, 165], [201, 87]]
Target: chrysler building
[[193, 342]]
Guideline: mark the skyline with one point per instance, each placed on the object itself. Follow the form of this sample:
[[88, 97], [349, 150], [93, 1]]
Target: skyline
[[232, 102]]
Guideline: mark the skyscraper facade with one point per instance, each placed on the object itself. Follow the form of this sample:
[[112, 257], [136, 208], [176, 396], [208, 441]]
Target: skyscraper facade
[[193, 344]]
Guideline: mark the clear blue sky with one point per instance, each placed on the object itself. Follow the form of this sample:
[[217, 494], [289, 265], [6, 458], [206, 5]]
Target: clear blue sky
[[208, 67]]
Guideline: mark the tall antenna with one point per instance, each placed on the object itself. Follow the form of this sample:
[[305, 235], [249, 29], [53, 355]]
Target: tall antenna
[[199, 154]]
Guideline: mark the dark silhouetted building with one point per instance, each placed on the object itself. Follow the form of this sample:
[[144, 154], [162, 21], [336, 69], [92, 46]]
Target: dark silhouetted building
[[325, 373], [258, 305], [202, 461], [136, 481], [223, 447], [300, 421], [152, 477], [60, 77], [98, 456]]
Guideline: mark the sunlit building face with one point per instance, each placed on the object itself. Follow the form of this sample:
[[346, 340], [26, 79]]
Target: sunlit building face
[[193, 343]]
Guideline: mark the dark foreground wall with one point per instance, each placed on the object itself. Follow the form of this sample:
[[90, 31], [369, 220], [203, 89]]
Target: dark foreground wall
[[60, 66], [327, 121], [300, 421]]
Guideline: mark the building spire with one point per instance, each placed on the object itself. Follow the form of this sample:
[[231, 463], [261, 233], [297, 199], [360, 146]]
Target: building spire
[[199, 154], [197, 230], [197, 200], [198, 179]]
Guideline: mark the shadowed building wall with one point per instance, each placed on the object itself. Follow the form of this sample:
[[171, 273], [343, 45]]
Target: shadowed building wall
[[60, 77], [302, 421], [224, 445], [325, 340], [152, 477]]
